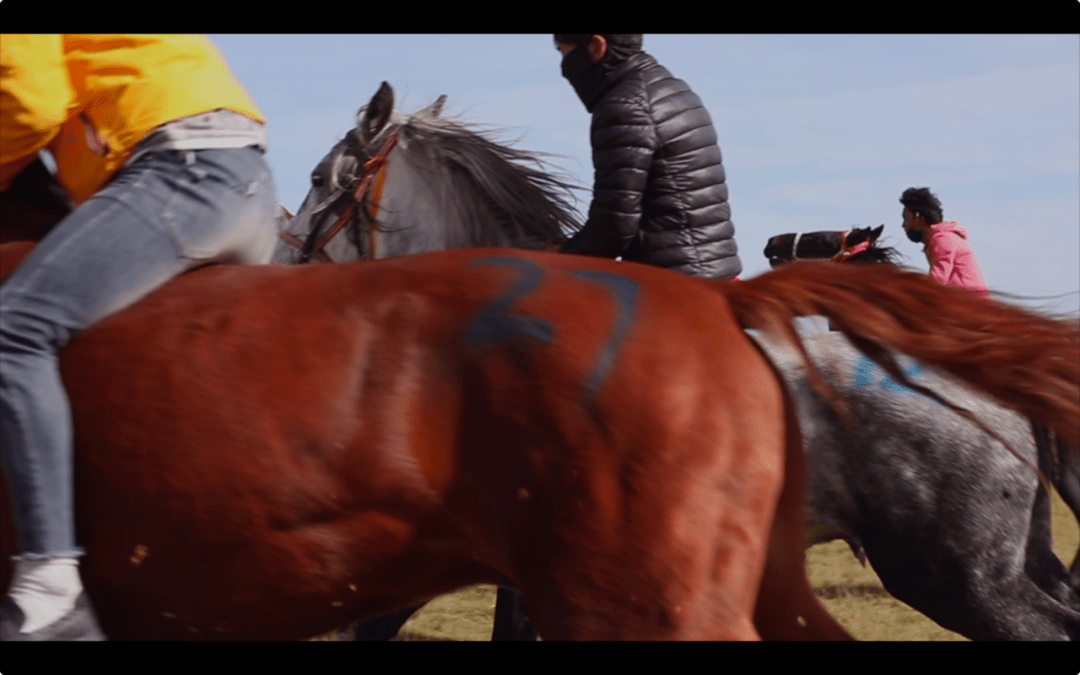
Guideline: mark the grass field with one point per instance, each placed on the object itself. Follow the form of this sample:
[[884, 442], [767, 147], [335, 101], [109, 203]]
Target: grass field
[[852, 593]]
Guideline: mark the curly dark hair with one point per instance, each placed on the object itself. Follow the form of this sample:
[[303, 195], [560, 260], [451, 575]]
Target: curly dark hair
[[922, 202], [631, 40]]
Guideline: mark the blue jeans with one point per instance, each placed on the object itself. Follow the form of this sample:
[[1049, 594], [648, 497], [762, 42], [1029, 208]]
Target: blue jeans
[[168, 212]]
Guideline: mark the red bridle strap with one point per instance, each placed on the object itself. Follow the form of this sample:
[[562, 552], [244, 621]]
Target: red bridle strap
[[845, 251]]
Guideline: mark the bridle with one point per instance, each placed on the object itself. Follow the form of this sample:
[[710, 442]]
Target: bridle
[[848, 251], [845, 250], [372, 175]]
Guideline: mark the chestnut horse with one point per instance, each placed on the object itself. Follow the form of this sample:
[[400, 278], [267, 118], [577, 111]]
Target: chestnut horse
[[395, 439], [282, 450]]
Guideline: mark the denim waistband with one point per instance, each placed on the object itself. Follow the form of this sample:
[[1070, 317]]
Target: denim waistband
[[215, 129]]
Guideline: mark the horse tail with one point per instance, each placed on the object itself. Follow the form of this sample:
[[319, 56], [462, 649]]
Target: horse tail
[[1027, 361]]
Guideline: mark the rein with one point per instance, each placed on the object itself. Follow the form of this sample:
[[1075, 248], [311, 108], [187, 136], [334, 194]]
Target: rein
[[374, 172]]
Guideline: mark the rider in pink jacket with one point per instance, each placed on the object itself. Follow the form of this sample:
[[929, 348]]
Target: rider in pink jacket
[[952, 260]]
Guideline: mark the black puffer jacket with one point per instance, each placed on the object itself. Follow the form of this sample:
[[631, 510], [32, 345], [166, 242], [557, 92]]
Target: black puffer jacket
[[659, 195]]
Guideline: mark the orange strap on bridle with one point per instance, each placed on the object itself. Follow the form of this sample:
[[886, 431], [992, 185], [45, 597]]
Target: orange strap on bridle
[[374, 172]]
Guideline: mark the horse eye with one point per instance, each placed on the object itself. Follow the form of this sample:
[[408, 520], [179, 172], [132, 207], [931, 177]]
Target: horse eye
[[316, 180]]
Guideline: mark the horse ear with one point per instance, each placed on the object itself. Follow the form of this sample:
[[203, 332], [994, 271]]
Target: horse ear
[[377, 112], [435, 109], [876, 232]]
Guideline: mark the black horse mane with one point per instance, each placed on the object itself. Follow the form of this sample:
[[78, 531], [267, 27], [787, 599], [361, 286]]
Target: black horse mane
[[505, 195], [878, 254]]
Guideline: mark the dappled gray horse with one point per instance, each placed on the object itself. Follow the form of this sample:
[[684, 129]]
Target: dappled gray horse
[[398, 185], [952, 522]]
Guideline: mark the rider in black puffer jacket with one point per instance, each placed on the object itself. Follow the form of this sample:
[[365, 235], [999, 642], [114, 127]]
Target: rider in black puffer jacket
[[659, 197]]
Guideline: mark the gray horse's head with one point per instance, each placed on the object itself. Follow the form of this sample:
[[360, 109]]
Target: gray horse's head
[[399, 184]]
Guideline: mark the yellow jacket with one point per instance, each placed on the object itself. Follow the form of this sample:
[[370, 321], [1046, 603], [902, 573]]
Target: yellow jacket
[[72, 92]]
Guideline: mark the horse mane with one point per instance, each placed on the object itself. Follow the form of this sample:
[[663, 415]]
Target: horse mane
[[505, 195], [878, 254]]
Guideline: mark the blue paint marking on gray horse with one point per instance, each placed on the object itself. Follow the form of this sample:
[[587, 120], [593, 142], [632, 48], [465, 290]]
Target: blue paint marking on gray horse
[[864, 376]]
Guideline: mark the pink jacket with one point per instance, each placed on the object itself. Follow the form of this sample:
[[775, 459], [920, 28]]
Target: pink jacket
[[951, 259]]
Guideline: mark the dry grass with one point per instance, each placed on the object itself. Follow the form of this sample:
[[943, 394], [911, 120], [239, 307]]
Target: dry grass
[[852, 593]]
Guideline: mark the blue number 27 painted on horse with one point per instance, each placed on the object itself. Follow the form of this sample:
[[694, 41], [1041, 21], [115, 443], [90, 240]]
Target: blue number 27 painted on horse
[[494, 322]]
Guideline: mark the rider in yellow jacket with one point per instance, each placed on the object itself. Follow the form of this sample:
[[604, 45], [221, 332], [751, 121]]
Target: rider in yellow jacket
[[162, 150], [59, 90]]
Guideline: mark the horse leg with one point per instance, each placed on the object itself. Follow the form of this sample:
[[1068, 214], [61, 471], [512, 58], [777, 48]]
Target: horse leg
[[673, 542], [978, 600], [512, 621], [1042, 564], [787, 608], [1067, 483], [641, 582], [989, 573], [384, 627]]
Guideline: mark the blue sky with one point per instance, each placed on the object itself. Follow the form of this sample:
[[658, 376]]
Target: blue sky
[[818, 132]]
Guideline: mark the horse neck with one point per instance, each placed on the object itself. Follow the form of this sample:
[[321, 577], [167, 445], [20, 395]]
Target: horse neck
[[425, 207]]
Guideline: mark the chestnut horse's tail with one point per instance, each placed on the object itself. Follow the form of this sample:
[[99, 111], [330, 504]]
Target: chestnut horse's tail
[[1029, 362]]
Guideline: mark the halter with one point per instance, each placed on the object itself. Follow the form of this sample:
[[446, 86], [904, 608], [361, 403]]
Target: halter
[[795, 246], [845, 251], [374, 172]]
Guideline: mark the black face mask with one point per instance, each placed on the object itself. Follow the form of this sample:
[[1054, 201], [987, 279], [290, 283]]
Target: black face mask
[[914, 235], [584, 73]]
